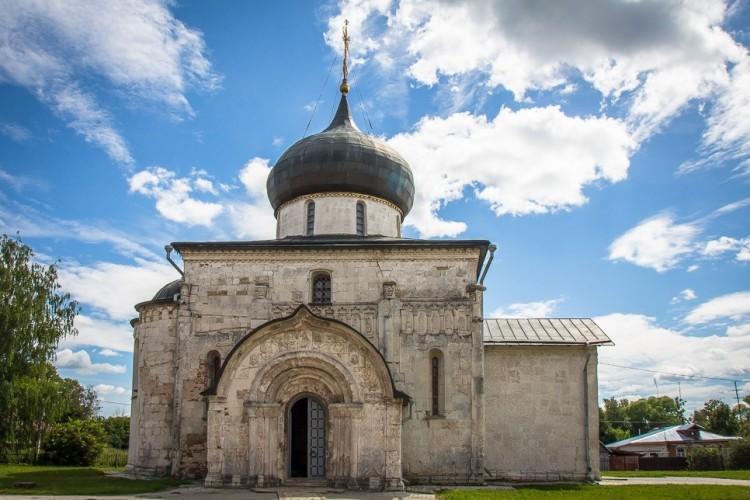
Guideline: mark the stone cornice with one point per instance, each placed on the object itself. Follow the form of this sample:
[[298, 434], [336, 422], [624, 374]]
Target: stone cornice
[[340, 254]]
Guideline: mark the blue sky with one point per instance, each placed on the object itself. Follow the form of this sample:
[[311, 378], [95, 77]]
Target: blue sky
[[606, 152]]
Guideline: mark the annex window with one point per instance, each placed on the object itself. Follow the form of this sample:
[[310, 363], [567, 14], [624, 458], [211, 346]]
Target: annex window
[[437, 388], [213, 364], [360, 218], [310, 221], [321, 288]]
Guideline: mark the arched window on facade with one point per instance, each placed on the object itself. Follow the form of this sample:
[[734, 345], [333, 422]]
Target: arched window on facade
[[360, 218], [321, 288], [310, 221], [213, 364], [437, 384]]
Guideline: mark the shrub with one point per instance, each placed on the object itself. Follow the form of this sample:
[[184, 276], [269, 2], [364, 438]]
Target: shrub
[[77, 442], [118, 431], [739, 455], [705, 459]]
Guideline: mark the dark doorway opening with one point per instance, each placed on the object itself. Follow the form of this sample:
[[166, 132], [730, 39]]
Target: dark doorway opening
[[298, 445], [307, 439]]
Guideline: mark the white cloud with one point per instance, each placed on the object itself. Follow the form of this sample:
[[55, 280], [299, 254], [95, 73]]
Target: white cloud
[[106, 334], [728, 134], [30, 223], [642, 343], [657, 242], [685, 295], [87, 118], [205, 185], [254, 220], [172, 195], [15, 132], [648, 59], [136, 47], [80, 361], [277, 141], [108, 353], [529, 161], [737, 330], [540, 309], [106, 389], [730, 306], [254, 175], [116, 288], [725, 244], [19, 182]]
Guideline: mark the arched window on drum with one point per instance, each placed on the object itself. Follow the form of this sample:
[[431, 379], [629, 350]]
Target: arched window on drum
[[361, 219], [310, 218]]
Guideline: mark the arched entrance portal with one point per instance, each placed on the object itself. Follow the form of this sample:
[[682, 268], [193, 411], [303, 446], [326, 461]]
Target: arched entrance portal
[[314, 381], [306, 421]]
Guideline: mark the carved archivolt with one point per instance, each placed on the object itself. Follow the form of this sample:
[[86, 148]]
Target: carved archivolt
[[305, 346]]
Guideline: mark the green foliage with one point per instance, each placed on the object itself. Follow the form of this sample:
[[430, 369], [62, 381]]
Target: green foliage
[[620, 419], [739, 455], [40, 401], [700, 458], [594, 492], [77, 442], [56, 480], [118, 431], [112, 458], [34, 315], [722, 474], [717, 416]]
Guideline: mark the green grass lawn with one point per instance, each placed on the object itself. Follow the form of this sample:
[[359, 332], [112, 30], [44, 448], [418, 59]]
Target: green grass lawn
[[587, 491], [52, 480], [725, 474]]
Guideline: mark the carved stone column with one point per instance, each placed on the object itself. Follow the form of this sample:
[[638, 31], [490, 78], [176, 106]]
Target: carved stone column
[[393, 479], [389, 311], [342, 458], [476, 292], [263, 443], [215, 442]]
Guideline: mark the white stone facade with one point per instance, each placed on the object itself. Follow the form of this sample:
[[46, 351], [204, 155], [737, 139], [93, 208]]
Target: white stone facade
[[503, 412]]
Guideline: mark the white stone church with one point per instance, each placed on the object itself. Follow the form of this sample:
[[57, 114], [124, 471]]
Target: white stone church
[[342, 353]]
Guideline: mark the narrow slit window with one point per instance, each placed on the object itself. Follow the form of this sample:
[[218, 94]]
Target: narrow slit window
[[321, 288], [398, 226], [213, 360], [360, 218], [435, 362], [310, 228]]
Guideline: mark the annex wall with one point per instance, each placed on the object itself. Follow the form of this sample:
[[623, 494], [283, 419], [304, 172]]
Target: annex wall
[[535, 413]]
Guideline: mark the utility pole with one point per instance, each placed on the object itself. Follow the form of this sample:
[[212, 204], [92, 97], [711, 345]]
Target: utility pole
[[737, 394]]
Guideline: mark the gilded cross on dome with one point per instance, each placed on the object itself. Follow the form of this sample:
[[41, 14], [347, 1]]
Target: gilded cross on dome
[[344, 88]]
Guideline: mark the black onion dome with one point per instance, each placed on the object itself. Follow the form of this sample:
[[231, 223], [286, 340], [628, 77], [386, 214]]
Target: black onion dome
[[168, 291], [341, 158]]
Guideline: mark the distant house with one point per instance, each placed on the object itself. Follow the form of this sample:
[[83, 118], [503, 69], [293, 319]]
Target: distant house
[[674, 441]]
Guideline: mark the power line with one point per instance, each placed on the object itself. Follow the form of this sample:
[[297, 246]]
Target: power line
[[317, 101], [114, 402], [674, 374]]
